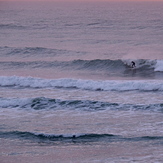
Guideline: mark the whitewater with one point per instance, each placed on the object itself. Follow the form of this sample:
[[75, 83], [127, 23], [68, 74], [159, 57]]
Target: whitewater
[[107, 85], [68, 92]]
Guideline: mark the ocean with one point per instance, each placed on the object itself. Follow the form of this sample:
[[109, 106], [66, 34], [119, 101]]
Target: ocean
[[68, 93]]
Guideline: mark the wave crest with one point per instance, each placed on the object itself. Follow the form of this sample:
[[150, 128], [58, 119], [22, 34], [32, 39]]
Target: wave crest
[[41, 103], [73, 138], [107, 85]]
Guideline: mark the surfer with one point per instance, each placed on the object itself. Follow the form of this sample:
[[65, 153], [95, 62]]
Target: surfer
[[133, 64]]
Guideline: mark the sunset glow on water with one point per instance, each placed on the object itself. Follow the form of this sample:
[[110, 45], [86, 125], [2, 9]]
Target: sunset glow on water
[[69, 92]]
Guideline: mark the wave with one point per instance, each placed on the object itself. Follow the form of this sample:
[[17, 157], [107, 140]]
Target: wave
[[31, 65], [119, 65], [34, 51], [115, 66], [73, 138], [93, 85], [42, 103], [119, 68], [54, 137], [142, 65], [144, 68], [11, 26], [145, 64]]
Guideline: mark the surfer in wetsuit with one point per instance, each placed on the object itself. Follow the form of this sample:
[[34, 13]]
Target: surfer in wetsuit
[[133, 64]]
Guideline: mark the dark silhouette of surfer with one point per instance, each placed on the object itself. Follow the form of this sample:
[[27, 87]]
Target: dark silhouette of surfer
[[133, 64]]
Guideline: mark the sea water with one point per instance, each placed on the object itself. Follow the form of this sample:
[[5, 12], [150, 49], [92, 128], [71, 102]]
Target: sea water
[[67, 89]]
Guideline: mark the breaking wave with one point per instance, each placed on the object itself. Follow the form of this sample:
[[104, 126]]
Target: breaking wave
[[72, 138], [93, 85], [42, 103], [63, 138], [142, 65]]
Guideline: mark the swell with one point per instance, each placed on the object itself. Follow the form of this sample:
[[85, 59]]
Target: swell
[[109, 67], [11, 26], [34, 51], [119, 65], [143, 66], [73, 138], [42, 103], [31, 65], [93, 85]]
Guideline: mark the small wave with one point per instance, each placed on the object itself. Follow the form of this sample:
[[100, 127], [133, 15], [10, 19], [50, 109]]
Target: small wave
[[73, 138], [11, 26], [34, 51], [41, 103], [54, 137], [107, 85], [34, 64], [30, 51]]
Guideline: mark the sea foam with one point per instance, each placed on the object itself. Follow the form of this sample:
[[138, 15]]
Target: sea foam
[[95, 85], [159, 65]]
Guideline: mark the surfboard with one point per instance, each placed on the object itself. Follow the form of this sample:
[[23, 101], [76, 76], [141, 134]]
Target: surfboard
[[132, 68]]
